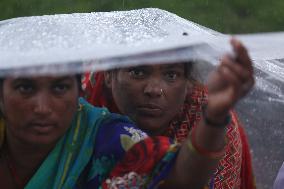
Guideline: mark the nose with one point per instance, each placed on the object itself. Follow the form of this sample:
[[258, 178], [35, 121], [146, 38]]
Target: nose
[[42, 104], [154, 88]]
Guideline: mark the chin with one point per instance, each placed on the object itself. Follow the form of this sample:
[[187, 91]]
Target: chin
[[151, 129], [42, 140]]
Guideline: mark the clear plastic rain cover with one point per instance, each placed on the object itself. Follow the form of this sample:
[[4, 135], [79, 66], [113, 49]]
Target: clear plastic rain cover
[[75, 43]]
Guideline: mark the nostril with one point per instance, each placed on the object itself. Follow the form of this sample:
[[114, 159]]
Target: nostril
[[153, 92]]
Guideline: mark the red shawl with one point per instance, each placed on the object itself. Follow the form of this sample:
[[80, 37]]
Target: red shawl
[[234, 170]]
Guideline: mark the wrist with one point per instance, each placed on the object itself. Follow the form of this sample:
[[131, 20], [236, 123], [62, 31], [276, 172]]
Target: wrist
[[218, 121], [196, 148]]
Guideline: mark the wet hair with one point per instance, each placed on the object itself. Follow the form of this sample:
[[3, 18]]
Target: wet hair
[[79, 80]]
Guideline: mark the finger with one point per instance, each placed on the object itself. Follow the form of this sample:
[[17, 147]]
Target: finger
[[215, 81], [221, 103], [231, 79], [241, 54], [245, 79], [243, 74], [222, 77]]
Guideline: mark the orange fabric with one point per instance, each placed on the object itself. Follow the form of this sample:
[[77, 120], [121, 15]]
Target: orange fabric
[[234, 170]]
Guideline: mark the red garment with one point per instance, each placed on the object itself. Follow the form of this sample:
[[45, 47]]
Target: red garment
[[145, 169], [234, 170], [96, 93]]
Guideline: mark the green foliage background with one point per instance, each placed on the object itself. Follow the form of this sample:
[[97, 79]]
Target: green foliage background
[[228, 16]]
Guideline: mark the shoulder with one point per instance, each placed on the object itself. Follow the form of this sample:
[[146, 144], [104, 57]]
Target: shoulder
[[90, 114], [89, 108]]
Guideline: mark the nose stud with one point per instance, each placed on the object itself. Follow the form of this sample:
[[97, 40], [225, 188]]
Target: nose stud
[[161, 91]]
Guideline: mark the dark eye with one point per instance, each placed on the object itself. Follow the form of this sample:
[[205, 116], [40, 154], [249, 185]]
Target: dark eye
[[171, 75], [60, 88], [25, 88], [136, 72]]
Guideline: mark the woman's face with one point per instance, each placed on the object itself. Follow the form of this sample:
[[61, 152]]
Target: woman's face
[[38, 110], [150, 95]]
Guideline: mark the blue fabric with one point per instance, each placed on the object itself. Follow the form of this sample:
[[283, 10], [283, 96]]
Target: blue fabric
[[109, 148]]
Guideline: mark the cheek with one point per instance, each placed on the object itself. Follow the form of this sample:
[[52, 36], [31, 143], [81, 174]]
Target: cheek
[[176, 96], [15, 109], [64, 109], [19, 111], [65, 115], [125, 95]]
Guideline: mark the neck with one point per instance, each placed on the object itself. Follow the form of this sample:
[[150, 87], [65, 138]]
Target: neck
[[161, 131]]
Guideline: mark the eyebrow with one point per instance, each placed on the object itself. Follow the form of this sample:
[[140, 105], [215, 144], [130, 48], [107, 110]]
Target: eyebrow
[[62, 79], [21, 79], [32, 79], [174, 66]]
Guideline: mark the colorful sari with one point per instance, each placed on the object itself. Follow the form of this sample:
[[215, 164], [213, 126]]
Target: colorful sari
[[234, 170], [100, 150]]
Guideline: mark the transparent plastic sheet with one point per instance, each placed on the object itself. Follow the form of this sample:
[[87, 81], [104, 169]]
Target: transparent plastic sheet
[[262, 114], [75, 43], [263, 109], [98, 40]]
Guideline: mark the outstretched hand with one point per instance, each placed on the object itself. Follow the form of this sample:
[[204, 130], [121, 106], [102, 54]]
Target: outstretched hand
[[231, 81]]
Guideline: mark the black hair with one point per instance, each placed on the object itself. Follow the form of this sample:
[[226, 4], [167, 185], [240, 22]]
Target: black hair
[[188, 70], [79, 80]]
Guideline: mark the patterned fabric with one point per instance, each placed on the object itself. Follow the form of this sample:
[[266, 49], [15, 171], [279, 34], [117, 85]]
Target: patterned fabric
[[234, 170], [228, 172], [97, 143], [147, 162]]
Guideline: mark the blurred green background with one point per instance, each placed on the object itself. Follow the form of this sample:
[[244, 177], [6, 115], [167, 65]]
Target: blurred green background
[[227, 16]]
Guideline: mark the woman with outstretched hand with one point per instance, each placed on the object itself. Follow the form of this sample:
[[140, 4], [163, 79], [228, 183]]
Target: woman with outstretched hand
[[164, 100]]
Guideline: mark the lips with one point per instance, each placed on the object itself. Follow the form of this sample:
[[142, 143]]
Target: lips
[[42, 127], [150, 110]]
